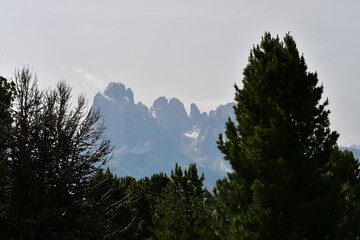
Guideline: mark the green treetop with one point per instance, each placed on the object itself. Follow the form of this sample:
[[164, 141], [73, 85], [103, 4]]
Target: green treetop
[[181, 211], [280, 150]]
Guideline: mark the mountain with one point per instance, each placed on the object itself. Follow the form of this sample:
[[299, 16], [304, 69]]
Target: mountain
[[355, 149], [151, 140]]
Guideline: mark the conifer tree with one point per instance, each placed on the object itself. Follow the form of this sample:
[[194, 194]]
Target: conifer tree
[[180, 213], [122, 207], [280, 149], [111, 203], [151, 191], [6, 95], [53, 152]]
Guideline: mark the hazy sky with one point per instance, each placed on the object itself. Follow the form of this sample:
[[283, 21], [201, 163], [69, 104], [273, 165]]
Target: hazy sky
[[194, 50]]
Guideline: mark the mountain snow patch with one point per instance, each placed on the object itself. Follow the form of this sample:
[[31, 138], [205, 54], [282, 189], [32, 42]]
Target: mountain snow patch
[[193, 134]]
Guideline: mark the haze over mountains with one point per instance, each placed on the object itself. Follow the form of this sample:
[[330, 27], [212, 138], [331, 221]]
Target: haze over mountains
[[151, 140]]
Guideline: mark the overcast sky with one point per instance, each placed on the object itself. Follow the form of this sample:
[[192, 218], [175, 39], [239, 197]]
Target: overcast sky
[[194, 50]]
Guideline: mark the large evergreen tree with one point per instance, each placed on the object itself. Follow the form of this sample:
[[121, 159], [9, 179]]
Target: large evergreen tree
[[280, 150], [53, 151]]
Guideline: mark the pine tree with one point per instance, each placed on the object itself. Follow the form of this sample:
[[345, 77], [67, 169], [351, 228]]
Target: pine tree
[[53, 152], [122, 207], [180, 211], [151, 191], [280, 150], [111, 204], [6, 95]]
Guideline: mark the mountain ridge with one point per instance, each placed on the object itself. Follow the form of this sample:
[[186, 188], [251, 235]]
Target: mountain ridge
[[150, 140]]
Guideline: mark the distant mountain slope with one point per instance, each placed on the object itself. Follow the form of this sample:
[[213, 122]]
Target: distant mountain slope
[[355, 149], [152, 140]]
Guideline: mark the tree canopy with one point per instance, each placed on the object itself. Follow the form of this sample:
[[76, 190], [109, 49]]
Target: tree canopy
[[6, 96], [181, 211], [53, 151], [282, 151], [289, 178]]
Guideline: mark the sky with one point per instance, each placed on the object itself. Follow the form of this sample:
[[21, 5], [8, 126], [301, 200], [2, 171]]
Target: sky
[[194, 50]]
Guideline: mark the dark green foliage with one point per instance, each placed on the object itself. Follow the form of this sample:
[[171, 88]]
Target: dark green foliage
[[281, 149], [53, 152], [343, 180], [122, 208], [6, 95], [151, 191], [110, 205], [181, 211]]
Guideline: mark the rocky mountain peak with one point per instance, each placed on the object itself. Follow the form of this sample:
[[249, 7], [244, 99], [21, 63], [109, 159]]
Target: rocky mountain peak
[[195, 114], [171, 116], [119, 93], [159, 105], [152, 140]]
